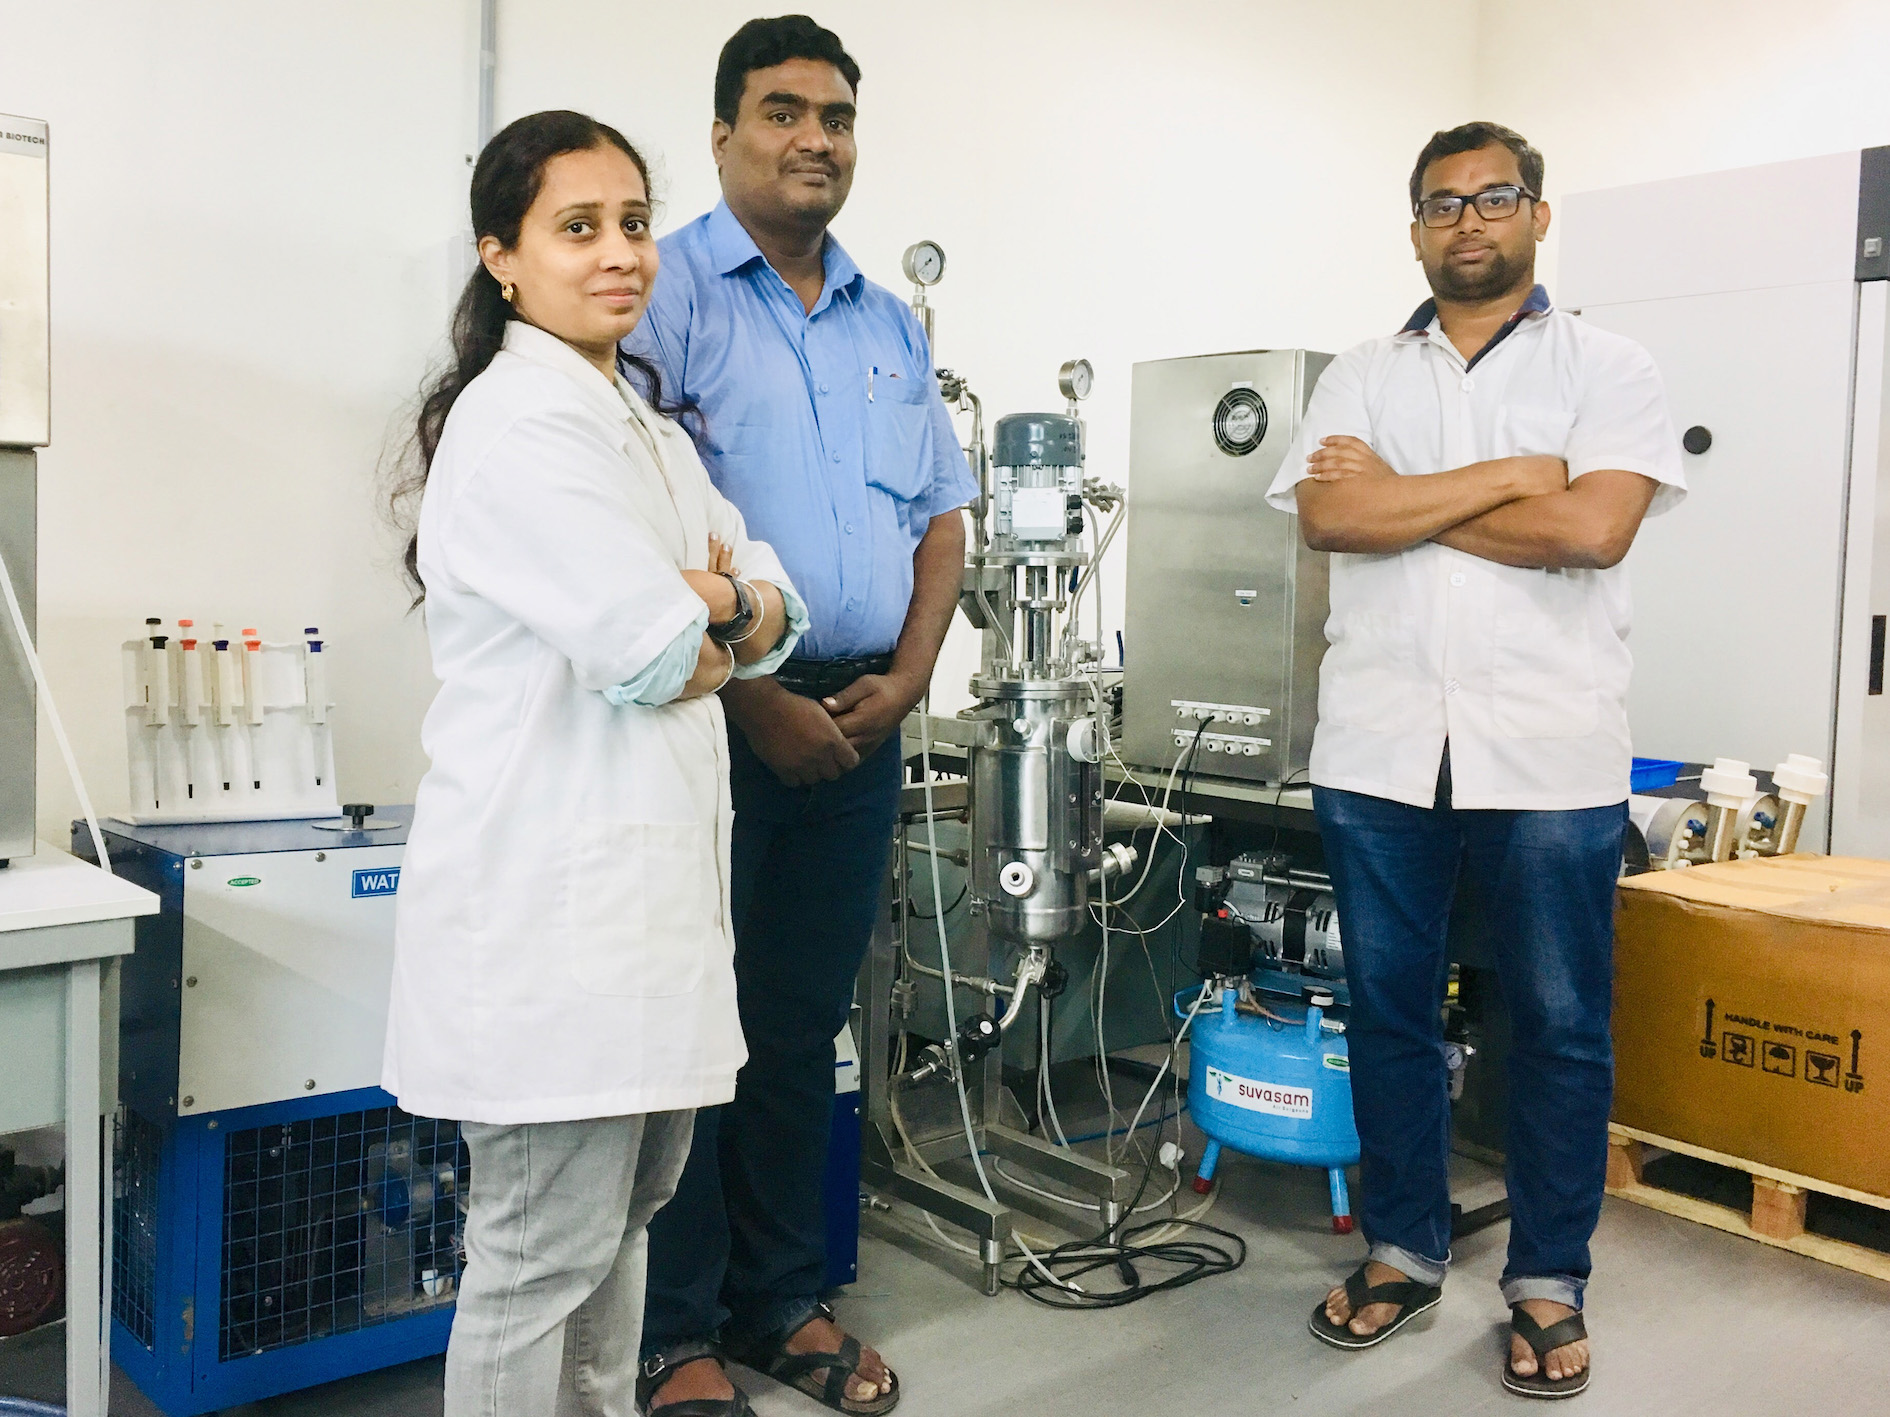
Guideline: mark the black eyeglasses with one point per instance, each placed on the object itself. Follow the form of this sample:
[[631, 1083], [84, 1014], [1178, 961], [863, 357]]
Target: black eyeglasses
[[1492, 204]]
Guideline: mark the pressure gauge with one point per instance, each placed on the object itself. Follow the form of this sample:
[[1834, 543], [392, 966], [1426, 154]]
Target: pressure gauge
[[1076, 378], [924, 262]]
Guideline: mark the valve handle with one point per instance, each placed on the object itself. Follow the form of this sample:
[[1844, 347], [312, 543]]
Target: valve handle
[[977, 1036], [358, 813]]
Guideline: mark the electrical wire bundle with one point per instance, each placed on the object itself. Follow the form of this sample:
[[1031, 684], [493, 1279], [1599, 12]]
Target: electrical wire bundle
[[1054, 1277]]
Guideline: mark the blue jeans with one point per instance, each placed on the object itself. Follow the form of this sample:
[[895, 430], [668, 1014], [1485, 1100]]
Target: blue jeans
[[743, 1245], [1546, 881]]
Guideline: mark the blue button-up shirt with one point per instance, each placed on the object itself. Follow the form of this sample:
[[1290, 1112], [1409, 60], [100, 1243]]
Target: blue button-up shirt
[[825, 428]]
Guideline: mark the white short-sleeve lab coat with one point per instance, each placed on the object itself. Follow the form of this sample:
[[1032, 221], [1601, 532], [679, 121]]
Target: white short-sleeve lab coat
[[1523, 672], [563, 947]]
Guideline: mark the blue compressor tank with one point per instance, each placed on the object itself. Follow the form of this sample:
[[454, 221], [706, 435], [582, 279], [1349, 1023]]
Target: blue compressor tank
[[1275, 1087]]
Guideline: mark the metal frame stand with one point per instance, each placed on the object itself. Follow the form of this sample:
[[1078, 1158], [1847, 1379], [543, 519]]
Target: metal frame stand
[[882, 1167]]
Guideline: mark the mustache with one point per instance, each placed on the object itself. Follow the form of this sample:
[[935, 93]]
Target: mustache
[[825, 166]]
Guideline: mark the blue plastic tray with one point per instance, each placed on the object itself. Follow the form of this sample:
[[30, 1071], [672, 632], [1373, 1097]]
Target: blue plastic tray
[[1649, 773]]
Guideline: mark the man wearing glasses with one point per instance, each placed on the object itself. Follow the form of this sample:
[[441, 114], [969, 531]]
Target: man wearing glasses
[[1479, 476]]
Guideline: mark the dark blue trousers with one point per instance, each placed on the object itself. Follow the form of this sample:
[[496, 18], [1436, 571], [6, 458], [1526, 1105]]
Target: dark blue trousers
[[742, 1246], [1546, 882]]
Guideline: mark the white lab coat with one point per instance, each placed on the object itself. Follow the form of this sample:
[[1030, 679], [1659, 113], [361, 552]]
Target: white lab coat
[[1523, 672], [563, 947]]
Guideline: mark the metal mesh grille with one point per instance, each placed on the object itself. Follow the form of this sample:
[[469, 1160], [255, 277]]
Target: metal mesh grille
[[336, 1224], [135, 1147]]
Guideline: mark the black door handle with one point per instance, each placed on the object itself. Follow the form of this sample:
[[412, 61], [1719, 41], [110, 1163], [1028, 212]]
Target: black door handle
[[1876, 653]]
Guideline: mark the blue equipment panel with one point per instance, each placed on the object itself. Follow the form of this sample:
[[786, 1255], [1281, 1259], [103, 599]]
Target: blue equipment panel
[[841, 1192], [261, 1250], [267, 1249]]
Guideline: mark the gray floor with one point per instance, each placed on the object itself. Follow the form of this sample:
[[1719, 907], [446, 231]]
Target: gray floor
[[1686, 1320]]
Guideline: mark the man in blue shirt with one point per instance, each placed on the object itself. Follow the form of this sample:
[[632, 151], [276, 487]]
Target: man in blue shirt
[[823, 424]]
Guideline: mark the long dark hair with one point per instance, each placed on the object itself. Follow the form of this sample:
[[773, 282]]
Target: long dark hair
[[505, 182]]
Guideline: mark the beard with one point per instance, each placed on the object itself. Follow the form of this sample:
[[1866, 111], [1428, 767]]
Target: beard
[[1496, 276], [815, 207]]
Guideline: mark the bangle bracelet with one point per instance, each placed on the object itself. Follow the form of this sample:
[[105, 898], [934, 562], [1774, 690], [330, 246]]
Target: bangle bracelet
[[737, 625], [757, 613], [727, 676]]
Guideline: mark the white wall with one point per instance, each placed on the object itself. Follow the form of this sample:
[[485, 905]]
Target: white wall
[[257, 216], [1622, 91], [1117, 181], [254, 212]]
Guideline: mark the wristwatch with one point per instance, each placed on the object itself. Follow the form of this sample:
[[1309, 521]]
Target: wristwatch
[[737, 627]]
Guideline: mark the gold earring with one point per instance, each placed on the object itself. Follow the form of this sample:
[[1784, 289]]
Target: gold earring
[[506, 291]]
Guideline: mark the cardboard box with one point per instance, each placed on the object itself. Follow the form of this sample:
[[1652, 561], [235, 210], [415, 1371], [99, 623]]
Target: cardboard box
[[1752, 1013]]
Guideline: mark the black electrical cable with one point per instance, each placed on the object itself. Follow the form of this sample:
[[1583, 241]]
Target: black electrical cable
[[1195, 1260], [963, 891], [1113, 1248], [1280, 792], [1187, 769]]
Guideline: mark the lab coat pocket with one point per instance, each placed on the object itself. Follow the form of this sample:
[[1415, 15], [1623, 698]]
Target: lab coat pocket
[[1365, 679], [1542, 662], [643, 907], [896, 421]]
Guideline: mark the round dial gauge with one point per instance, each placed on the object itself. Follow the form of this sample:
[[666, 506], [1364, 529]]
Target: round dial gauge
[[924, 262], [1076, 379]]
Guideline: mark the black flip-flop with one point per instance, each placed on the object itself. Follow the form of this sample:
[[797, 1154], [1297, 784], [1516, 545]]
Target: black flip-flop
[[659, 1368], [798, 1370], [1545, 1341], [1411, 1297]]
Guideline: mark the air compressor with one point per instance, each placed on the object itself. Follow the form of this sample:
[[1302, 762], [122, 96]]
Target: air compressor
[[1269, 1072], [1273, 1080]]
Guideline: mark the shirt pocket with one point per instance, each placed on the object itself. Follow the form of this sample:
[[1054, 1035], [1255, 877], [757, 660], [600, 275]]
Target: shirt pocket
[[1536, 430], [1367, 677], [1542, 661], [643, 905], [896, 419]]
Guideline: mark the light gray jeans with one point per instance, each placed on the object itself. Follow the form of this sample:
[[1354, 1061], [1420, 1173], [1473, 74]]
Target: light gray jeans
[[552, 1294]]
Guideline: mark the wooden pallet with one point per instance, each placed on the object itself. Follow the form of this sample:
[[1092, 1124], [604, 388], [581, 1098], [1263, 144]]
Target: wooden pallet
[[1777, 1216]]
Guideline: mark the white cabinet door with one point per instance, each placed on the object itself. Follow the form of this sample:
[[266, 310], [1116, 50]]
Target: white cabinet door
[[1860, 782], [1736, 592], [288, 962]]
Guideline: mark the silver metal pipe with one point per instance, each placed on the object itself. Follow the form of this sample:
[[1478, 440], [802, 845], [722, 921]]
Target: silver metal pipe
[[961, 857], [1030, 970], [977, 983], [1102, 549], [991, 619]]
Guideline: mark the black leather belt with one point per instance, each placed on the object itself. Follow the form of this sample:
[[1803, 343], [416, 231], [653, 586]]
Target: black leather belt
[[822, 678]]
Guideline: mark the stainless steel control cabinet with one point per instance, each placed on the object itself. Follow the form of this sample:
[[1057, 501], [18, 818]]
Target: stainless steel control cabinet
[[24, 420], [1225, 621]]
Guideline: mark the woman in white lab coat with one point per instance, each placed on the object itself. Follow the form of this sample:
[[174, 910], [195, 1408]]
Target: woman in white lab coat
[[563, 968]]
